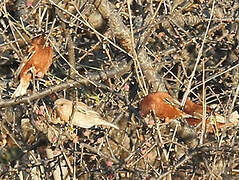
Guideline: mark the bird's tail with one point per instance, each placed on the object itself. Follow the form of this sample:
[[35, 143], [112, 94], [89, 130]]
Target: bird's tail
[[106, 123], [22, 88]]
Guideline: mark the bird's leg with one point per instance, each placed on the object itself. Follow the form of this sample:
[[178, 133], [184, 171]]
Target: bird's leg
[[36, 86], [33, 78], [34, 82]]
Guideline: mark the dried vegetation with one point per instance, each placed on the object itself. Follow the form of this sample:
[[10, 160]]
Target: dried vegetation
[[109, 54]]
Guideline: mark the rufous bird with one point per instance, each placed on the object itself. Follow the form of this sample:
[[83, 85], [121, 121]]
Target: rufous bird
[[164, 106], [168, 108], [194, 109], [83, 116], [37, 65]]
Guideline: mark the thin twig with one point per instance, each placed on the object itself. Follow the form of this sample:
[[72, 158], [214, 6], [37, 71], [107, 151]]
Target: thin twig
[[197, 61]]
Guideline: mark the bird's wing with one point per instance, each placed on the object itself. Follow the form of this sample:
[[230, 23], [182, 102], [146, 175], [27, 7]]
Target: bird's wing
[[86, 110]]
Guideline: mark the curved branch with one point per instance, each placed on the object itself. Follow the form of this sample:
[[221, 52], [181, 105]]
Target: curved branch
[[121, 68], [122, 32]]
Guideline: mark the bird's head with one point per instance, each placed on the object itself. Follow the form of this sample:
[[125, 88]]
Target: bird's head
[[63, 108]]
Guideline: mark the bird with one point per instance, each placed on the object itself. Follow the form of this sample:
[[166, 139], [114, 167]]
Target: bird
[[164, 106], [38, 64], [168, 108], [84, 116], [195, 109]]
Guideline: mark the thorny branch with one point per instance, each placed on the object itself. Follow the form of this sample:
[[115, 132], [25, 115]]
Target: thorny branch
[[167, 38]]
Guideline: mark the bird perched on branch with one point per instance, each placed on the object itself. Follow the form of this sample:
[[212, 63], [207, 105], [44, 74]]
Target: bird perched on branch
[[37, 66], [168, 108], [164, 106], [83, 115]]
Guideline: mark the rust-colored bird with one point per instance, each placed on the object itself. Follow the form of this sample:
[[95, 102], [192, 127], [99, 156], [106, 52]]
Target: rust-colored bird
[[164, 106], [194, 109], [83, 116], [38, 64]]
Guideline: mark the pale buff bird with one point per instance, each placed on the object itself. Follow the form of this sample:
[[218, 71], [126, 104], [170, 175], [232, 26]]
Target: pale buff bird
[[83, 116]]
